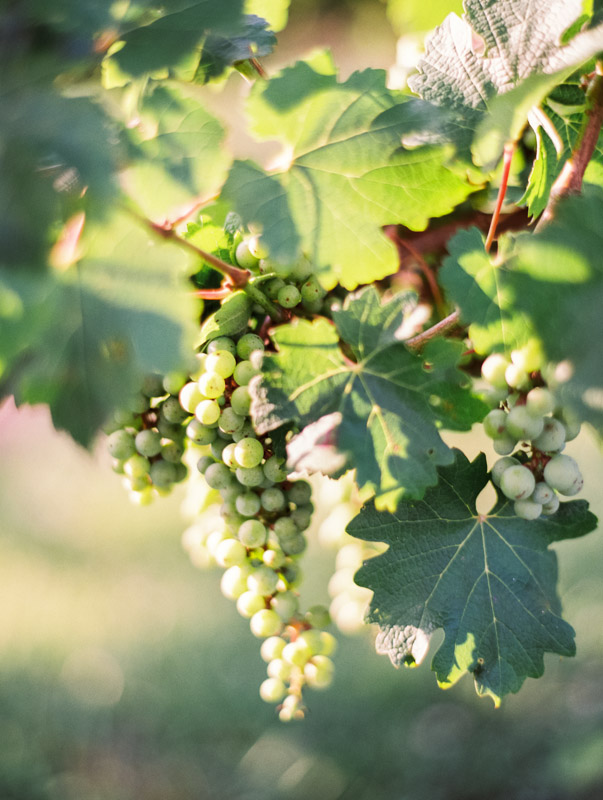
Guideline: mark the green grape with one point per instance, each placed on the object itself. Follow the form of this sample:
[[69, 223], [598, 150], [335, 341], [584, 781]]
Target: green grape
[[252, 533], [311, 290], [516, 377], [171, 430], [301, 270], [272, 648], [250, 477], [244, 257], [136, 483], [248, 504], [123, 417], [285, 604], [302, 516], [217, 447], [208, 412], [318, 617], [313, 306], [174, 381], [312, 639], [552, 437], [285, 528], [528, 358], [273, 499], [294, 546], [248, 452], [527, 509], [244, 372], [143, 497], [319, 672], [118, 466], [500, 466], [493, 370], [221, 362], [572, 426], [121, 445], [240, 400], [262, 580], [296, 653], [249, 603], [328, 643], [247, 344], [504, 446], [138, 404], [542, 493], [136, 466], [540, 402], [265, 622], [218, 476], [230, 553], [190, 396], [274, 469], [204, 462], [495, 424], [181, 472], [148, 443], [272, 287], [172, 411], [300, 493], [163, 473], [222, 343], [152, 386], [232, 491], [211, 385], [517, 483], [228, 455], [274, 558], [234, 581], [289, 296], [172, 452], [272, 690], [230, 421], [551, 507], [563, 474], [523, 425], [246, 432], [200, 434], [277, 668]]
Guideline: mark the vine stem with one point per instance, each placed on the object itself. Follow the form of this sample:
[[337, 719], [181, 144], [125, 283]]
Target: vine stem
[[571, 176], [508, 151], [439, 329]]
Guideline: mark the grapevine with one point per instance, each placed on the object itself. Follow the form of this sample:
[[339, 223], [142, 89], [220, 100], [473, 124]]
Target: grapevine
[[237, 331]]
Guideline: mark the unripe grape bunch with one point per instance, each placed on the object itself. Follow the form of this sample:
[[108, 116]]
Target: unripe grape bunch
[[526, 416], [259, 534]]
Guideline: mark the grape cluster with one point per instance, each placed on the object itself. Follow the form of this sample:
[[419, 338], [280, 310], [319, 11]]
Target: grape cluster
[[290, 285], [260, 533], [146, 439], [526, 415]]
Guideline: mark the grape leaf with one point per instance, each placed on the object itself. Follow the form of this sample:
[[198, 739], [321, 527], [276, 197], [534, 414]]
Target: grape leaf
[[347, 174], [487, 301], [488, 580], [275, 12], [557, 279], [179, 151], [407, 17], [229, 320], [81, 340], [390, 406], [469, 62], [542, 175], [219, 51]]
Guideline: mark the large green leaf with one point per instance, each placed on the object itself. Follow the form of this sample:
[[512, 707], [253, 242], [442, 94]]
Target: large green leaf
[[489, 581], [81, 340], [557, 280], [410, 16], [470, 62], [481, 288], [179, 152], [346, 173], [384, 407]]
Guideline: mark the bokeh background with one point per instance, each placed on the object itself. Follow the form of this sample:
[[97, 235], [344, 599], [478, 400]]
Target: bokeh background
[[125, 675]]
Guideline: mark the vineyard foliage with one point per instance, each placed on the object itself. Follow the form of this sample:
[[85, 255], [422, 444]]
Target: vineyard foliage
[[403, 237]]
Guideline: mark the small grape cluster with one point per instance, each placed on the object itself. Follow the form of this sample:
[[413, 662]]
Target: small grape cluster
[[527, 415], [289, 285], [263, 517], [147, 439]]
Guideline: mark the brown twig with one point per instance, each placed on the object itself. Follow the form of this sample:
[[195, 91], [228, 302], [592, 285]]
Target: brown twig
[[508, 152], [192, 210], [238, 277], [439, 329], [570, 179], [428, 274]]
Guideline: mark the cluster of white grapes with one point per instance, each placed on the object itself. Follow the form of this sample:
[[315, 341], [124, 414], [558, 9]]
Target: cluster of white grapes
[[289, 285], [258, 535], [146, 439], [527, 417]]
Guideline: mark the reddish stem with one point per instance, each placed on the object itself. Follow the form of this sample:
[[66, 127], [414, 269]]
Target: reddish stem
[[439, 329], [428, 275], [508, 152], [213, 294]]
